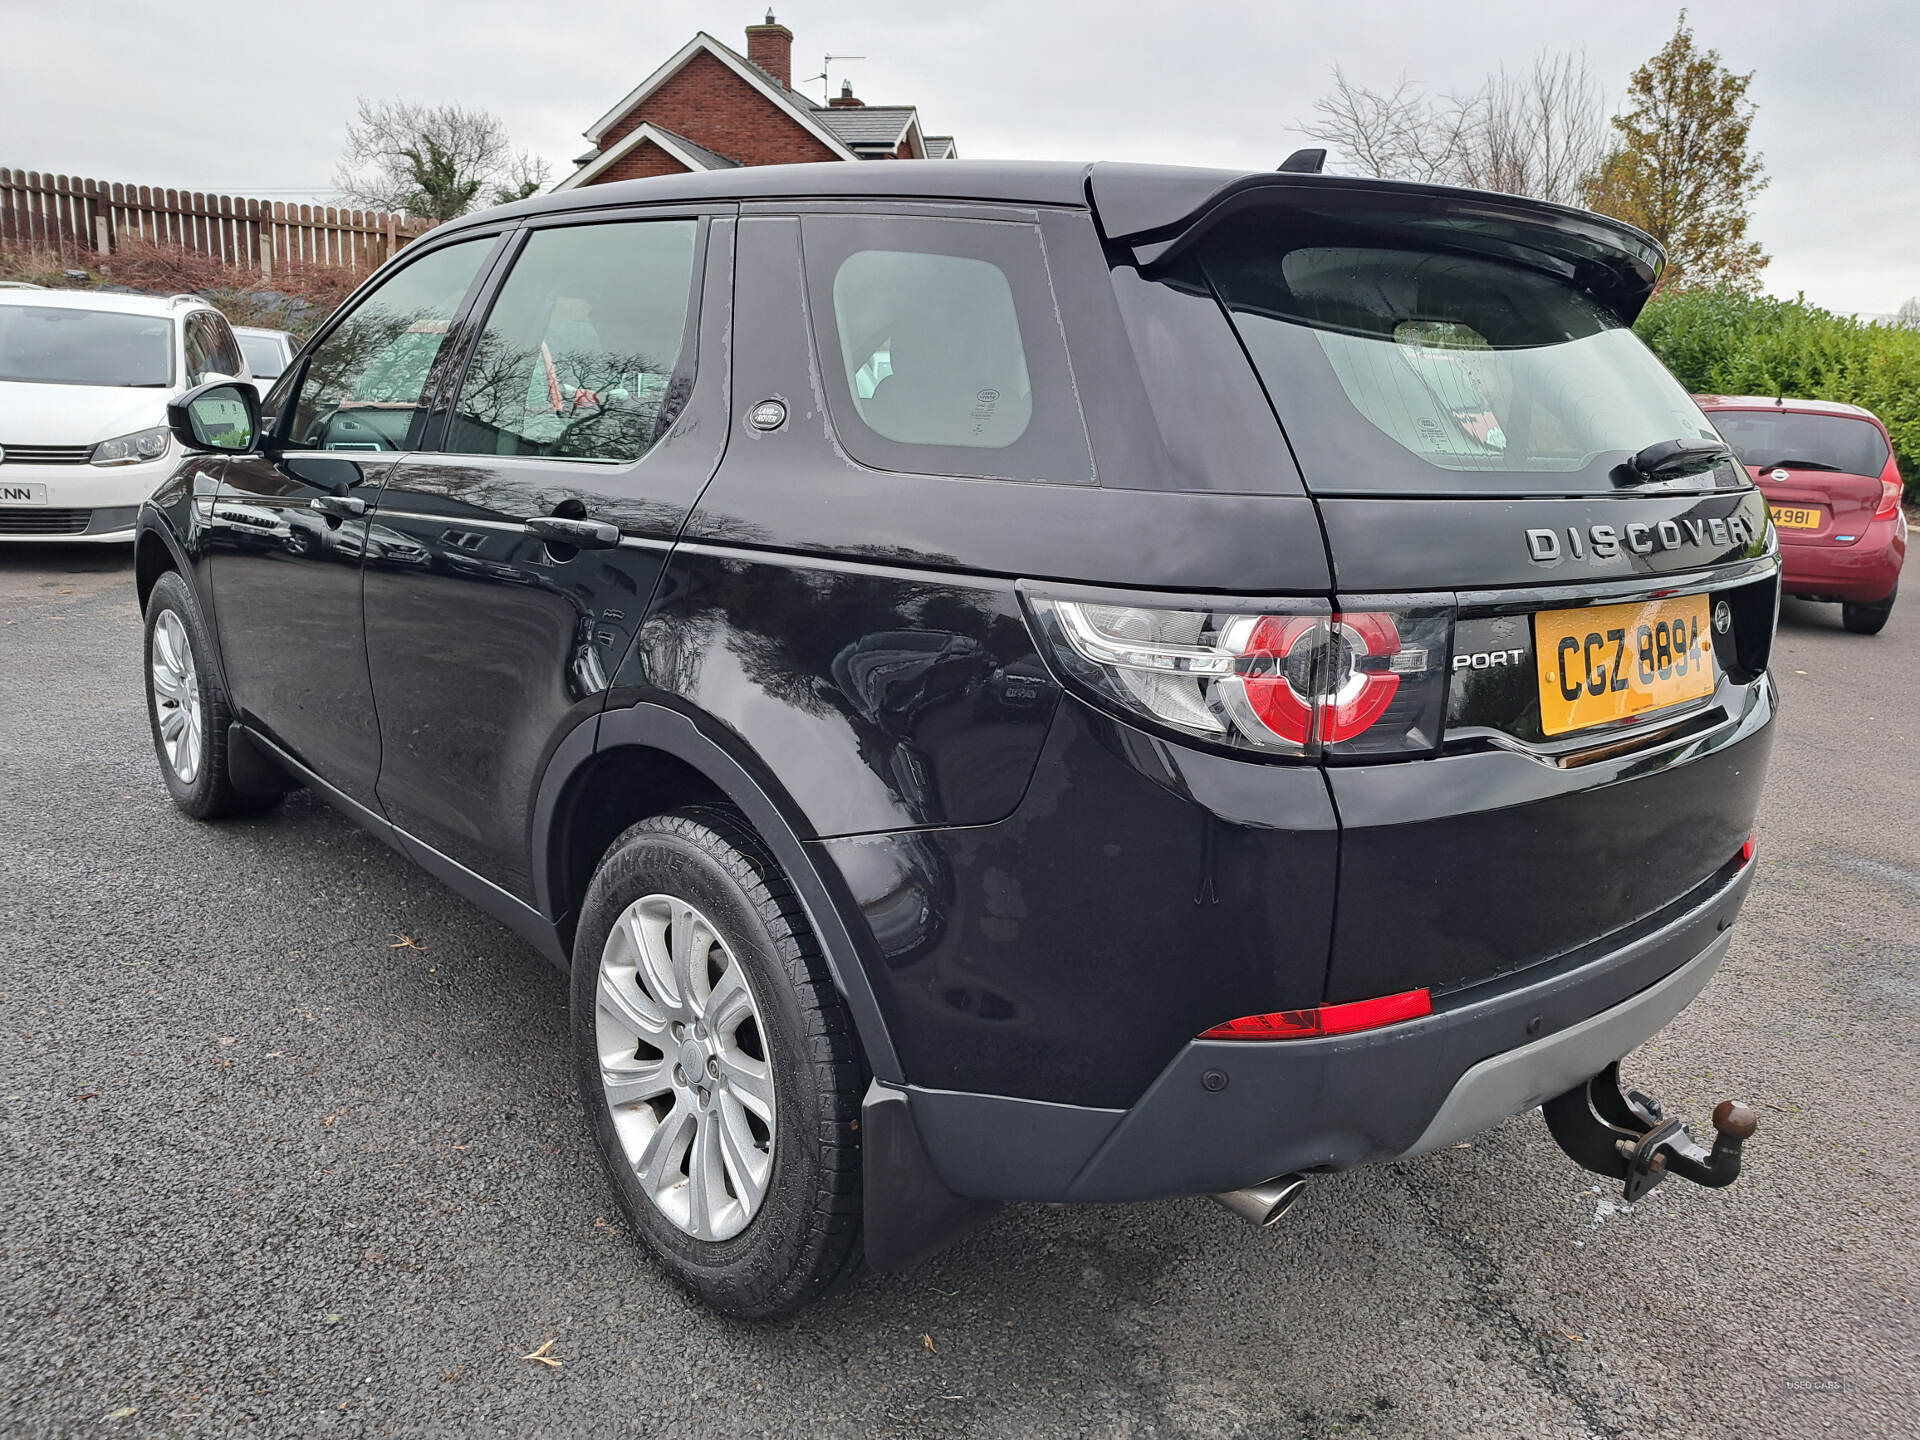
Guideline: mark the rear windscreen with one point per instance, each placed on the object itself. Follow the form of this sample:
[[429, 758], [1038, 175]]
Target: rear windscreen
[[1769, 438], [1400, 361], [265, 358]]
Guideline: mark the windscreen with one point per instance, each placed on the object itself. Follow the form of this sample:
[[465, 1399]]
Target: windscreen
[[54, 345], [1769, 438], [1416, 357], [265, 358]]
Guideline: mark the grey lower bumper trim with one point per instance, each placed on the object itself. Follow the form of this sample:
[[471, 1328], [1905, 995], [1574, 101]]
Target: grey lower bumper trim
[[1506, 1084]]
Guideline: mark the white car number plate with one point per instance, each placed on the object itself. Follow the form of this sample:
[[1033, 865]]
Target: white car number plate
[[21, 493]]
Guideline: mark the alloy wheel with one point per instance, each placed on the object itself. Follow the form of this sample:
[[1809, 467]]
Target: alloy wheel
[[176, 697], [684, 1067]]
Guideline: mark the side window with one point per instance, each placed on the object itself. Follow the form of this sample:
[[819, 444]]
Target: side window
[[942, 347], [365, 383], [585, 354], [199, 349], [221, 342]]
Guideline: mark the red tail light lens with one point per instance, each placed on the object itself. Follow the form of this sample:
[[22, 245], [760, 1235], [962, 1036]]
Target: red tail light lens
[[1747, 849], [1300, 681], [1326, 1019], [1889, 500]]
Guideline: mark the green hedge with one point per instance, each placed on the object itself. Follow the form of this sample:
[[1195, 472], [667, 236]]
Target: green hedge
[[1723, 343]]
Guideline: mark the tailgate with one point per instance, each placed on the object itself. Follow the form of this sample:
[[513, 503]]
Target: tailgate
[[1543, 825]]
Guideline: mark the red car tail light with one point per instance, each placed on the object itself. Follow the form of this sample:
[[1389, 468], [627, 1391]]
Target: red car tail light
[[1342, 1019], [1302, 679], [1889, 500]]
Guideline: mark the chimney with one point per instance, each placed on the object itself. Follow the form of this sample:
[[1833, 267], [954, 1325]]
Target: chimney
[[770, 46], [845, 97]]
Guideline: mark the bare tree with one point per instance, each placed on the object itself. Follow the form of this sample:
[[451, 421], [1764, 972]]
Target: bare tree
[[1395, 134], [432, 160], [1542, 133], [1908, 315]]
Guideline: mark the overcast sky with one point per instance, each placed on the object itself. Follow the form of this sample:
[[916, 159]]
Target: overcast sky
[[252, 99]]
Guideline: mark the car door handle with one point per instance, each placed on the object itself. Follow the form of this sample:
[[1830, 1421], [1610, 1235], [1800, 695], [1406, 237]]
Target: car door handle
[[338, 506], [581, 534]]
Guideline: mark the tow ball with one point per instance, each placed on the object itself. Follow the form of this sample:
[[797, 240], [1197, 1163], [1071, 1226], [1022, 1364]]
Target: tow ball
[[1621, 1133]]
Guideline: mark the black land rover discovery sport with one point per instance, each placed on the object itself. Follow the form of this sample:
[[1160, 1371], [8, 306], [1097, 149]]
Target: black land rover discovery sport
[[1008, 682]]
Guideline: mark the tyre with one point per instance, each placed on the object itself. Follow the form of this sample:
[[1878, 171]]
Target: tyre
[[1867, 619], [718, 1065], [186, 709]]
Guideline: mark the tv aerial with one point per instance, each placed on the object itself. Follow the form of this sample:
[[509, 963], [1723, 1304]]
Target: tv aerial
[[826, 64]]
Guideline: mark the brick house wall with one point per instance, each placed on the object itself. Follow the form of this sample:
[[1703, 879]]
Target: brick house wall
[[643, 160], [712, 106]]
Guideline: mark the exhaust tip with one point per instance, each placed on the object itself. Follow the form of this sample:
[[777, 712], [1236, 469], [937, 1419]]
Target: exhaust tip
[[1263, 1204]]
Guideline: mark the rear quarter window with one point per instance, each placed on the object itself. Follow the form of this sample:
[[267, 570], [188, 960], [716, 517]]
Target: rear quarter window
[[941, 347]]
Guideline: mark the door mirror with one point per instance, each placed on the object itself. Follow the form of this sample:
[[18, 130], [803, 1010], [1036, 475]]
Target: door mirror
[[224, 415]]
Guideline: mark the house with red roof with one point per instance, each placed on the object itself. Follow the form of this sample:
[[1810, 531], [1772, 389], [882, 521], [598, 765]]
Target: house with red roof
[[710, 107]]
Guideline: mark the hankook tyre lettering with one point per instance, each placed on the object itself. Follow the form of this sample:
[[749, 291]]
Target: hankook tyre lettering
[[1015, 774]]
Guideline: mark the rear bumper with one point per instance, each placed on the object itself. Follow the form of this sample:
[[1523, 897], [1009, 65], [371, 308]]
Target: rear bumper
[[1865, 571], [1334, 1103]]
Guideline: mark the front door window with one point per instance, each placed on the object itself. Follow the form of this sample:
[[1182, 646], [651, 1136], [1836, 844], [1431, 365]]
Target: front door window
[[365, 388]]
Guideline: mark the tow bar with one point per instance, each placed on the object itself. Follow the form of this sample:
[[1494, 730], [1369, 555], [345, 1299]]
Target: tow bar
[[1622, 1134]]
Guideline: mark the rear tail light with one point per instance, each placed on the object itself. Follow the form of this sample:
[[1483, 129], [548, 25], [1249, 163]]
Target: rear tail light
[[1299, 680], [1747, 849], [1889, 500], [1326, 1019]]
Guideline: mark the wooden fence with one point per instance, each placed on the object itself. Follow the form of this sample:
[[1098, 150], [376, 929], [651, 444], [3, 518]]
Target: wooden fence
[[79, 218]]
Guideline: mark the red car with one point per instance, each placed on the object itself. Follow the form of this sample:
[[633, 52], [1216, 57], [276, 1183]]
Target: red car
[[1828, 474]]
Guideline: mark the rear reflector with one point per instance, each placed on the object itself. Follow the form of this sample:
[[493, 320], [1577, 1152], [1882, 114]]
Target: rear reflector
[[1747, 848], [1326, 1019]]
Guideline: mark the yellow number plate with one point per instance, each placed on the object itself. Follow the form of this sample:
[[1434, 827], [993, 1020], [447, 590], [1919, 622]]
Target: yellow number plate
[[1611, 661], [1793, 517]]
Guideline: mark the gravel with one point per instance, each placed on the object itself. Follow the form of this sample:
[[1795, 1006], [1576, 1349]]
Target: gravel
[[288, 1147]]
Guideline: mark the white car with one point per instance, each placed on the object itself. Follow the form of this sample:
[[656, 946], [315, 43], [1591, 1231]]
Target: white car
[[268, 353], [85, 378]]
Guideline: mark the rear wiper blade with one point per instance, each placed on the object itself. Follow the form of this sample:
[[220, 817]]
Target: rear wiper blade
[[1801, 465], [1671, 459]]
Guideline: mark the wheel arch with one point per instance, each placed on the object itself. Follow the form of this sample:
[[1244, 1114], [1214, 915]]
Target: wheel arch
[[626, 764], [155, 553]]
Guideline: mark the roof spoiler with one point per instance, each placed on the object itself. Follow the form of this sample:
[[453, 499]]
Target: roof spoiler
[[1159, 211]]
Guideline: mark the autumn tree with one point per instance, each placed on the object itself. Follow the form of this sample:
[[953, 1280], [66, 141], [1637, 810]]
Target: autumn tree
[[436, 161], [1680, 168]]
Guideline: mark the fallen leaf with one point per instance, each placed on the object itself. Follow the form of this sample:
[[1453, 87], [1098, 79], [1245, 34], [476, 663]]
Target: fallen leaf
[[927, 1340], [1571, 1336], [227, 1039], [89, 1095], [331, 1318], [541, 1356], [329, 1119], [123, 1413], [405, 942]]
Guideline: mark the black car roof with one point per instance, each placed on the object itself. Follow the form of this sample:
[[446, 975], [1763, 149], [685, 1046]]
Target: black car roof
[[1032, 182], [1147, 206]]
